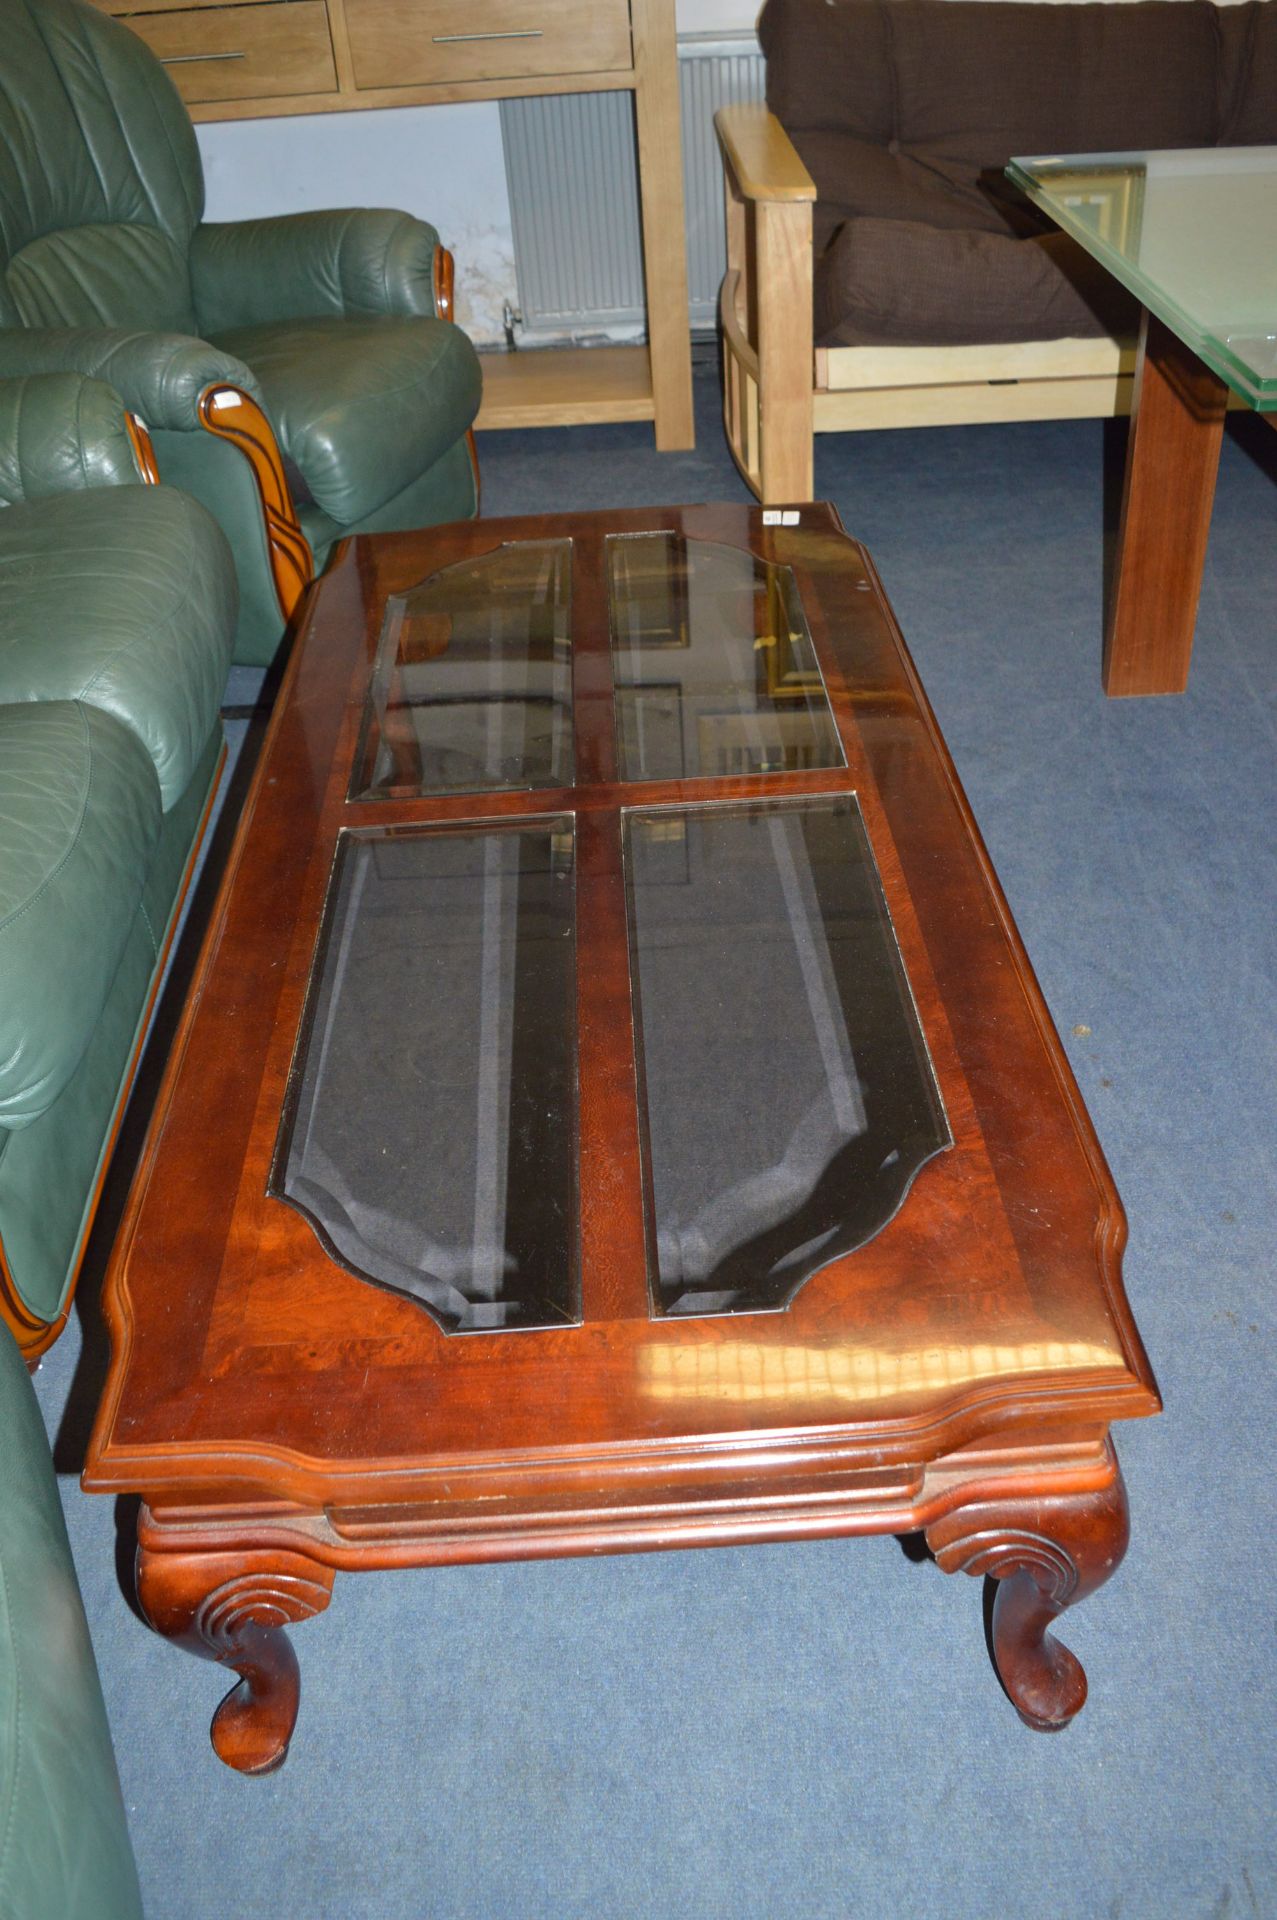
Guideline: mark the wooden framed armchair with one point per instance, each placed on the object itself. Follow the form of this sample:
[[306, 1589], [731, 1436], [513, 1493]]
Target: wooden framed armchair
[[882, 272], [779, 390]]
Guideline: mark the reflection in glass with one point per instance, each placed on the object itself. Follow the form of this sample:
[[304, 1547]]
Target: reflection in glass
[[713, 665], [430, 1136], [788, 1092], [473, 683]]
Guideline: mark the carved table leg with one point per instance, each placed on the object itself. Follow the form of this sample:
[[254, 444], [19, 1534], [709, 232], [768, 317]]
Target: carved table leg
[[232, 1608], [1045, 1554]]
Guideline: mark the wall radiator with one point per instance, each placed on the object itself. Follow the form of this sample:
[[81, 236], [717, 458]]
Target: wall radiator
[[570, 164]]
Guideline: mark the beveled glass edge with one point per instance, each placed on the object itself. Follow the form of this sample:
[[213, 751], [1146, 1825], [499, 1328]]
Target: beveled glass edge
[[347, 837], [786, 571], [1259, 391], [754, 803], [364, 795]]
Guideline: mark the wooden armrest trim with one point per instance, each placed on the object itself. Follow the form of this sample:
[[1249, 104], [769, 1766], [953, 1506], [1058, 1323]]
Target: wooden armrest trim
[[229, 413], [761, 154], [143, 449], [443, 275]]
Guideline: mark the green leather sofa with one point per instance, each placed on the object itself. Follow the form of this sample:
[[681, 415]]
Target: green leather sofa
[[117, 613], [64, 1845], [329, 322]]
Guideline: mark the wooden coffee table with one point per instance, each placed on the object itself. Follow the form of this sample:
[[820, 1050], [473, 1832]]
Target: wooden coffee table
[[614, 1111]]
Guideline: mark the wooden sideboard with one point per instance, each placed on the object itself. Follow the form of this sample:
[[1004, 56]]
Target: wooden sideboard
[[253, 59]]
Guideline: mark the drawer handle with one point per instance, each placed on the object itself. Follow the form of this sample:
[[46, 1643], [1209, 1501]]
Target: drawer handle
[[191, 59], [518, 33]]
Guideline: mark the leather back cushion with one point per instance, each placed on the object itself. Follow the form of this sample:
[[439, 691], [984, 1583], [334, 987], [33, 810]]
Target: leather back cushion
[[104, 276], [92, 134]]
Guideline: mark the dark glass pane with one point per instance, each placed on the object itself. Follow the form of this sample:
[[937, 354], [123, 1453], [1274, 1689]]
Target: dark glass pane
[[789, 1095], [431, 1139], [473, 684], [713, 665]]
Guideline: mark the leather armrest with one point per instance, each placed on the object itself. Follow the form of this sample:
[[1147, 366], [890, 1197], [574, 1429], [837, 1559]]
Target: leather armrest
[[356, 263], [59, 432], [66, 1847], [158, 376]]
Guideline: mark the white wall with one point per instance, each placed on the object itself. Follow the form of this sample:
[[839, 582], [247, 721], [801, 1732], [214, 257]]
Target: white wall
[[443, 163]]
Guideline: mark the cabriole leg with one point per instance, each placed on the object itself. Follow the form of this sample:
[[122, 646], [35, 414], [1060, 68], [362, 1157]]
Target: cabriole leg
[[1046, 1554], [232, 1608]]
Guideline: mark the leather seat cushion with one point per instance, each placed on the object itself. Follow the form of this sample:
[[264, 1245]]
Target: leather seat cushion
[[124, 597], [79, 821], [361, 407], [902, 283]]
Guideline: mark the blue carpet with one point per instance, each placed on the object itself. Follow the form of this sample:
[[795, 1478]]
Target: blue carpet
[[814, 1730]]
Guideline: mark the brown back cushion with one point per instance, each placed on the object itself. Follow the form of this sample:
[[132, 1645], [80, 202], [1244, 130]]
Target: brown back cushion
[[1248, 87], [965, 84], [829, 66], [977, 83], [858, 177]]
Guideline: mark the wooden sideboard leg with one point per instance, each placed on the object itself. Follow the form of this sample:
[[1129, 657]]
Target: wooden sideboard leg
[[1045, 1554], [660, 154], [232, 1608]]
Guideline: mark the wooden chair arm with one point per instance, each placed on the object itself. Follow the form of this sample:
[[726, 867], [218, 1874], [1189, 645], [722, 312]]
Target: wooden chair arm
[[760, 154]]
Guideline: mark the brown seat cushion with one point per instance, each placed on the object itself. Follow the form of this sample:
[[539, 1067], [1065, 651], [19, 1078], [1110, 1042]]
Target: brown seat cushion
[[903, 283]]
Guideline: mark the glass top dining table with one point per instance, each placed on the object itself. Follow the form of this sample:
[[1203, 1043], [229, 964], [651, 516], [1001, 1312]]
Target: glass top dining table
[[1192, 233]]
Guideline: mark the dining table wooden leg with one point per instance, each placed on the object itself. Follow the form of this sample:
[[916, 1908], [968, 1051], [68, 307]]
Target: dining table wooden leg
[[1172, 457]]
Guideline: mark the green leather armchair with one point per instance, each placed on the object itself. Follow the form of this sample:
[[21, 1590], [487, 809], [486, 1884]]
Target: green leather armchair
[[117, 613], [298, 375], [64, 1845]]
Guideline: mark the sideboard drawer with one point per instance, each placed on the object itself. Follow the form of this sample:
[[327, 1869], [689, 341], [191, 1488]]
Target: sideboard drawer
[[441, 40], [243, 52]]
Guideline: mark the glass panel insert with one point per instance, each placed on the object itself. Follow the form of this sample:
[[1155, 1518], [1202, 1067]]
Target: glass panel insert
[[712, 662], [430, 1137], [789, 1096], [473, 685]]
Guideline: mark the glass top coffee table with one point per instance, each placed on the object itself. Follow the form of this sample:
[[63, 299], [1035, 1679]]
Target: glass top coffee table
[[614, 1111], [1193, 235]]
